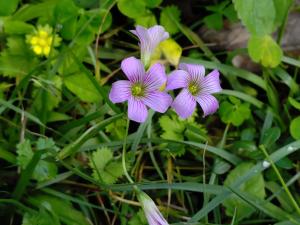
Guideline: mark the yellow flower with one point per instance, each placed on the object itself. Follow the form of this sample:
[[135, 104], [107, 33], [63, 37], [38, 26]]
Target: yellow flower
[[41, 40]]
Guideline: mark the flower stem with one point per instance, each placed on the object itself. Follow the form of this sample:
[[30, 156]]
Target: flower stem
[[124, 154], [280, 179]]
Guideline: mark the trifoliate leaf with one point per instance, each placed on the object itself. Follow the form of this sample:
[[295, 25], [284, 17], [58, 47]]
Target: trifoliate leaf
[[82, 86], [44, 171], [254, 186], [264, 50], [105, 167], [147, 20], [132, 8], [234, 113], [295, 128], [25, 153], [171, 50], [153, 3], [169, 18], [257, 16]]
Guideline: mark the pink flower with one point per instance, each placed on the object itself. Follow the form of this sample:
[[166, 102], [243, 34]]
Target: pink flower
[[141, 89], [195, 88], [149, 40], [152, 213]]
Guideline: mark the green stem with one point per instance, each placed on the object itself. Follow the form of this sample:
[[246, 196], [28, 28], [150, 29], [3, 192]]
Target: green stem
[[124, 154], [280, 179]]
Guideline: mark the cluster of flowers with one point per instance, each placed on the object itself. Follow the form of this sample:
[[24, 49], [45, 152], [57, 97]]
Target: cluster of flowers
[[148, 86]]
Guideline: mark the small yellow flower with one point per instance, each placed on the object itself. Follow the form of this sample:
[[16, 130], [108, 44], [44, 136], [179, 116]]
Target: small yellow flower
[[41, 40]]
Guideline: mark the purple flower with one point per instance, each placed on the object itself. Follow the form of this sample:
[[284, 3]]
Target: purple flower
[[149, 40], [152, 213], [141, 89], [196, 88]]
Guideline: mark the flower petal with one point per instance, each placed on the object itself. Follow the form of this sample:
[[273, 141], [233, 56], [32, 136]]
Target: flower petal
[[211, 83], [208, 103], [177, 79], [120, 91], [133, 69], [155, 77], [150, 38], [184, 104], [196, 72], [137, 111], [158, 101]]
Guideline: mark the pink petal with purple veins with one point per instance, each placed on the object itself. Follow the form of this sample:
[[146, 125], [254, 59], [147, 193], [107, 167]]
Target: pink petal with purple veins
[[120, 91], [157, 34], [184, 104], [155, 77], [158, 101], [196, 72], [208, 103], [177, 79], [137, 110], [211, 83], [133, 69]]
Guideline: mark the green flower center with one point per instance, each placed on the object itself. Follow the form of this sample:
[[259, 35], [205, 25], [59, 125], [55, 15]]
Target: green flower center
[[194, 88], [137, 90]]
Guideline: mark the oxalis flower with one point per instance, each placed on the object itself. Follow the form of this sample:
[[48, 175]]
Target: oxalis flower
[[196, 88], [149, 40], [153, 215], [141, 89]]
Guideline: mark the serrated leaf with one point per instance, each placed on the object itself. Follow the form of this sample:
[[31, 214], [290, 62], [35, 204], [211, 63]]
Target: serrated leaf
[[171, 51], [264, 50], [254, 186], [132, 8], [105, 167], [25, 153], [82, 87], [168, 18], [257, 16]]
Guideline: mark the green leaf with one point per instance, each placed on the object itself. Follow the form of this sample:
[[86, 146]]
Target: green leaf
[[147, 20], [44, 171], [254, 186], [105, 167], [45, 143], [264, 50], [132, 8], [294, 103], [270, 136], [168, 18], [62, 208], [153, 3], [17, 27], [257, 16], [38, 218], [138, 219], [281, 7], [214, 21], [230, 13], [25, 153], [82, 87], [8, 7], [17, 60], [117, 129], [295, 128], [234, 113]]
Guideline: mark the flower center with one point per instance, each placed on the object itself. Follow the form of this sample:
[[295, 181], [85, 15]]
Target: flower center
[[194, 88], [137, 90]]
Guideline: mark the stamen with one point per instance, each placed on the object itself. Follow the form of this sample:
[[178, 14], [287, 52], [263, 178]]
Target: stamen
[[194, 88], [137, 90]]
